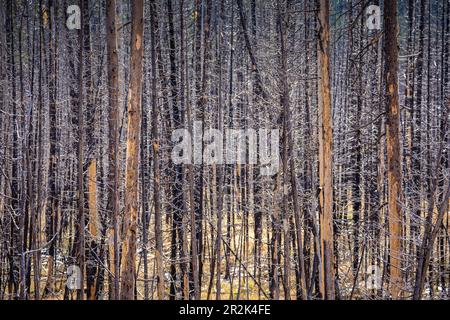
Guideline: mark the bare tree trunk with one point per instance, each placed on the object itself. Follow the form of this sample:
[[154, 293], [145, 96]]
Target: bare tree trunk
[[156, 170], [128, 265], [113, 121], [53, 199], [184, 246], [177, 170], [91, 159], [327, 287], [393, 146], [80, 162], [13, 254]]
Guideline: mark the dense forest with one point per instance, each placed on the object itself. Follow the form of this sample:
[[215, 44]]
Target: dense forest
[[235, 149]]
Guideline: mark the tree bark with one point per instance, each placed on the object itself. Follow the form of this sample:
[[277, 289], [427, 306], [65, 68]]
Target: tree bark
[[327, 287], [113, 123], [128, 265], [156, 170], [393, 146]]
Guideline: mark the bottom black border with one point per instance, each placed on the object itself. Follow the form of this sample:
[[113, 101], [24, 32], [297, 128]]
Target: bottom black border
[[137, 310]]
